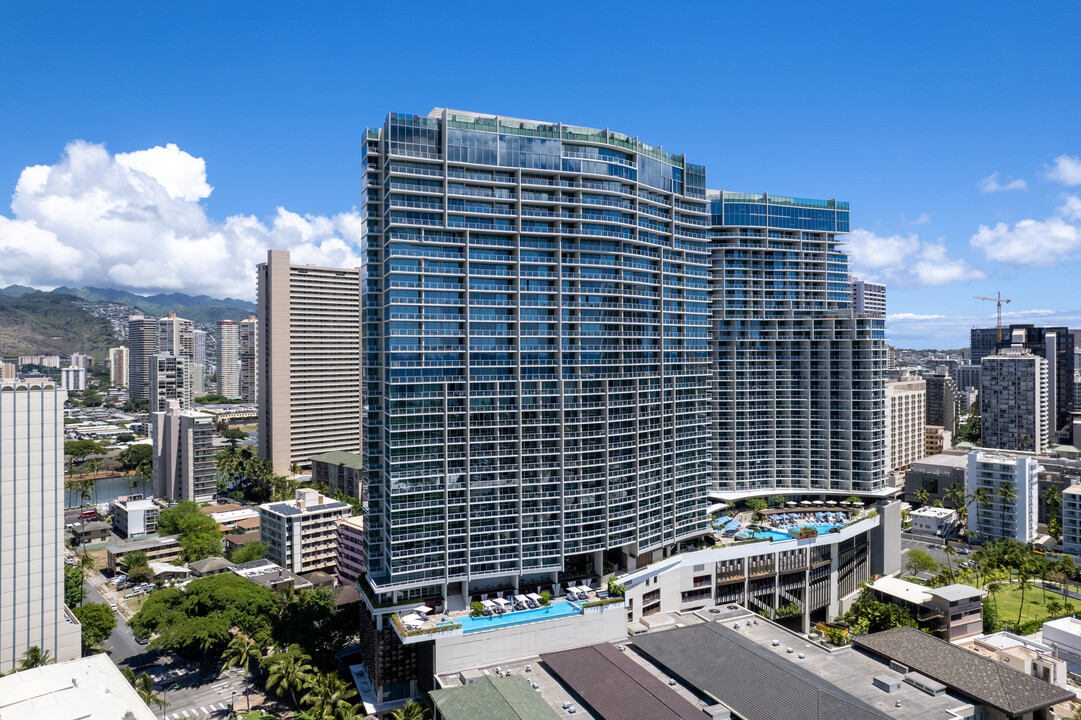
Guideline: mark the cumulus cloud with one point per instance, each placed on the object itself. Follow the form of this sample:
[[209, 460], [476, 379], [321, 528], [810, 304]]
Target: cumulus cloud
[[904, 261], [134, 221], [990, 184], [1066, 170], [913, 316], [1034, 242]]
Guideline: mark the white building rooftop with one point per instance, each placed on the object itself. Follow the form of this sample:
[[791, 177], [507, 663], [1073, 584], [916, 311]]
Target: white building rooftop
[[90, 688]]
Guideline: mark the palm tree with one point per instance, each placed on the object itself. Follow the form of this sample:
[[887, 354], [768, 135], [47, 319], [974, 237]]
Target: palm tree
[[410, 711], [1054, 607], [288, 670], [1008, 492], [1024, 580], [1052, 497], [956, 495], [922, 496], [980, 498], [144, 686], [993, 589], [242, 652], [949, 552], [34, 657], [1067, 568], [328, 697]]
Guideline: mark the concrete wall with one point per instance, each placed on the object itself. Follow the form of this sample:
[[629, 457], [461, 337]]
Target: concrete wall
[[604, 623]]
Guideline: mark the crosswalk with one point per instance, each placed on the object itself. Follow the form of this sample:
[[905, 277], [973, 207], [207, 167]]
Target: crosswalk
[[200, 712]]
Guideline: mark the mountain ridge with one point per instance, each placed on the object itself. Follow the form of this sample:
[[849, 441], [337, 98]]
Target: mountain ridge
[[198, 308]]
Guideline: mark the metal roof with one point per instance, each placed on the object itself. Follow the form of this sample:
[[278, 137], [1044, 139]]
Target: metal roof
[[489, 698], [615, 686], [982, 679], [340, 457], [755, 683]]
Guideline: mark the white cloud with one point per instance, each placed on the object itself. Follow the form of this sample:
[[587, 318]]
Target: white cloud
[[1067, 170], [990, 184], [134, 221], [1071, 208], [913, 316], [1030, 242], [923, 219], [906, 329], [905, 261]]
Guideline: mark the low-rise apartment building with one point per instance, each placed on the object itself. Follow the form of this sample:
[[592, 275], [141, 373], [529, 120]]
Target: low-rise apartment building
[[936, 439], [952, 612], [932, 520], [157, 549], [301, 535], [1022, 654], [340, 471], [1071, 519], [935, 474], [135, 515]]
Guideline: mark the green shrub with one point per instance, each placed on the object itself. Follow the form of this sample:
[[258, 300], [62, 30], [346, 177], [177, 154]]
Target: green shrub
[[546, 598], [477, 608]]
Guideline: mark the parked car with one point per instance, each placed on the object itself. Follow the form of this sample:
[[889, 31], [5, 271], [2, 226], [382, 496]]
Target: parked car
[[964, 551], [112, 606]]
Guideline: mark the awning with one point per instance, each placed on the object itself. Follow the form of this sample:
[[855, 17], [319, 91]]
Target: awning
[[422, 609], [831, 502], [487, 603], [502, 601], [534, 596], [791, 503], [716, 508], [520, 598]]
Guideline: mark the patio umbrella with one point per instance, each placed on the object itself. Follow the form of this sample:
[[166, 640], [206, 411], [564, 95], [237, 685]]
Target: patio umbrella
[[422, 609], [831, 502], [791, 503]]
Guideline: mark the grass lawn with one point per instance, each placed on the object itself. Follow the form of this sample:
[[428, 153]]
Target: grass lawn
[[1009, 602]]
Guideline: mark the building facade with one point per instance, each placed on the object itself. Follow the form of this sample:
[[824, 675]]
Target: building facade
[[952, 612], [184, 455], [1011, 482], [228, 359], [176, 336], [906, 405], [118, 366], [967, 376], [798, 392], [943, 401], [1015, 411], [936, 439], [7, 371], [341, 471], [535, 350], [247, 341], [351, 551], [170, 379], [935, 474], [301, 535], [135, 515], [32, 611], [1071, 519], [866, 298], [142, 346], [73, 379], [931, 520], [308, 361]]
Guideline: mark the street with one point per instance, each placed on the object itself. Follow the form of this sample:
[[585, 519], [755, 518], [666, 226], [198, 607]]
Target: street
[[932, 546], [201, 690]]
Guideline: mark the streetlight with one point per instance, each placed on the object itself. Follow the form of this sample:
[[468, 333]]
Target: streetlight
[[232, 699], [164, 700]]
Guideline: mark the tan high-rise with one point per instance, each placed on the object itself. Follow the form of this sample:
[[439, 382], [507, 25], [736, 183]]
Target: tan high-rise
[[142, 346], [228, 360], [249, 382], [308, 357], [177, 336]]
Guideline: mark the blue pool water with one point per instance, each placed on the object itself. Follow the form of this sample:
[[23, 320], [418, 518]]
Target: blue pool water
[[776, 535], [559, 608]]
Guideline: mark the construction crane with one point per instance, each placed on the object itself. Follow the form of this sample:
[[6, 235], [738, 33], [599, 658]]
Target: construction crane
[[998, 301]]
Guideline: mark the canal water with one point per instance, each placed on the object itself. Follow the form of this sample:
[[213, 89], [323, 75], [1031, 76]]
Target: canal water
[[108, 489]]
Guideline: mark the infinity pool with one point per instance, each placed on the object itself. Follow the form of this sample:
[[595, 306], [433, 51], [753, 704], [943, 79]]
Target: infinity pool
[[558, 608], [777, 535]]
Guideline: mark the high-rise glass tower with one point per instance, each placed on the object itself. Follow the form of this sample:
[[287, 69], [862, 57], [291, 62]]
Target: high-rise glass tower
[[142, 346], [536, 363], [799, 399]]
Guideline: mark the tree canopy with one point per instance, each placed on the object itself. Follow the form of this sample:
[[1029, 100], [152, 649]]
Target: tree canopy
[[251, 550], [917, 561], [98, 621], [200, 534], [870, 615], [79, 450], [136, 456]]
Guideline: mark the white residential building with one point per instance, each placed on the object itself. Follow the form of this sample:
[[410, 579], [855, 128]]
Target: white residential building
[[906, 411], [80, 360], [1015, 408], [118, 366], [135, 515], [170, 379], [73, 379], [302, 534], [142, 346], [32, 611], [1003, 474], [1071, 519], [177, 336], [352, 552], [184, 462], [932, 520], [866, 298]]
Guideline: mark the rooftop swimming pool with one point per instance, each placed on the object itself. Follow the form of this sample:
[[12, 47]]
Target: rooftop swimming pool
[[778, 535], [558, 608]]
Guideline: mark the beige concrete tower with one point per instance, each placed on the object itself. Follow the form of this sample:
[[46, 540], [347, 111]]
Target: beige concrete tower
[[249, 382], [308, 360], [142, 345], [177, 336], [228, 359]]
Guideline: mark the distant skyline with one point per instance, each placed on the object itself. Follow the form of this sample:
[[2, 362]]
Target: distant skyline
[[161, 149]]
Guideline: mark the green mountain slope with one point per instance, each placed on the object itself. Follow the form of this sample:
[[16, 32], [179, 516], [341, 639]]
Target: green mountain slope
[[199, 308], [40, 323]]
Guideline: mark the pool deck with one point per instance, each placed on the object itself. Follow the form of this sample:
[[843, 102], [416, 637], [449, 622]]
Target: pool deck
[[774, 533], [500, 620]]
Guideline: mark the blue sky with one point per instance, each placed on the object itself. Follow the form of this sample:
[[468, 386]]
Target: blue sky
[[210, 134]]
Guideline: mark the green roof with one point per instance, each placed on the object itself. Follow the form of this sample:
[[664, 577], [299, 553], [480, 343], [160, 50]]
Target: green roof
[[1066, 448], [340, 457], [964, 445], [489, 698]]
